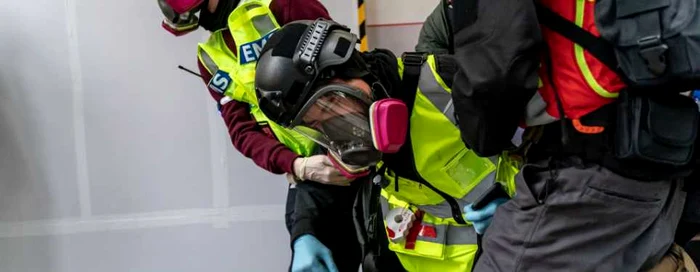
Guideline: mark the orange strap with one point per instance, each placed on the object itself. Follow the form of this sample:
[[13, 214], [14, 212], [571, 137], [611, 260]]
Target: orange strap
[[586, 129]]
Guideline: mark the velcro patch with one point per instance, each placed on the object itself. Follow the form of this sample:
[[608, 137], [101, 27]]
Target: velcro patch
[[220, 81]]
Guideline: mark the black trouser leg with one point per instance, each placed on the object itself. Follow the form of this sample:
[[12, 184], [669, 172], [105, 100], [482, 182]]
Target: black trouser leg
[[289, 209], [326, 212]]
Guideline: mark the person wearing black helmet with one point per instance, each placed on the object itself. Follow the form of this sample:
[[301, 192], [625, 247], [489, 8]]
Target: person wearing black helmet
[[390, 120]]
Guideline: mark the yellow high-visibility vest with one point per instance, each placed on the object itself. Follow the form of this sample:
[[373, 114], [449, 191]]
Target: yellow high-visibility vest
[[442, 159]]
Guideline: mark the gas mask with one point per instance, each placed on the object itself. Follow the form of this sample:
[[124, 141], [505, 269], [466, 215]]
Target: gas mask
[[181, 15], [354, 130]]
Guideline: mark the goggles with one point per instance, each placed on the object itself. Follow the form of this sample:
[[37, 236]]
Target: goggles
[[180, 16]]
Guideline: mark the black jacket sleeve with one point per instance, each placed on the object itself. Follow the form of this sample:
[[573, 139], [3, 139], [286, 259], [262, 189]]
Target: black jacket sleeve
[[497, 49], [434, 34]]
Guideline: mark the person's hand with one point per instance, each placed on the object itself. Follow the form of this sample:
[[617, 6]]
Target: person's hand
[[310, 255], [319, 168], [481, 219]]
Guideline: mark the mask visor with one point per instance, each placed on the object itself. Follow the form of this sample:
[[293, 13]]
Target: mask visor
[[337, 118]]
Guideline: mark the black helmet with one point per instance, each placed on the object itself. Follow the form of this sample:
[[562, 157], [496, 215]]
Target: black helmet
[[296, 58]]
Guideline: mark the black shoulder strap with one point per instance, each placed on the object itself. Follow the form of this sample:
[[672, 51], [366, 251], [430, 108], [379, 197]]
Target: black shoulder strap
[[598, 47], [412, 63]]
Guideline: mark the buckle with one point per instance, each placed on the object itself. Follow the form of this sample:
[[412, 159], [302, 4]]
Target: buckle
[[652, 51], [414, 58]]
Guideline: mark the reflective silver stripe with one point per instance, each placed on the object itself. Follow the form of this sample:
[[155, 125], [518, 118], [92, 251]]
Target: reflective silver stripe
[[263, 24], [494, 159], [460, 235], [449, 112], [208, 62], [432, 90], [444, 234], [536, 111]]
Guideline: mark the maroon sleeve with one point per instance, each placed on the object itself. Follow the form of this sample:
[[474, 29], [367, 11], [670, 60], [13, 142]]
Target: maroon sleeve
[[286, 11], [249, 138]]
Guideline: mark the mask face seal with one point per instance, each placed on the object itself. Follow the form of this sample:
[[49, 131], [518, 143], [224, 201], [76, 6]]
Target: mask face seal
[[349, 171]]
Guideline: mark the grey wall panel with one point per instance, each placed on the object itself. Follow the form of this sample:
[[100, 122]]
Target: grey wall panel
[[250, 185], [29, 254], [254, 246], [146, 121], [398, 39], [37, 154]]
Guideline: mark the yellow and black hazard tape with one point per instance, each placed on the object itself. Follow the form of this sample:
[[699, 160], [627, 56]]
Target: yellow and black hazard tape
[[361, 21]]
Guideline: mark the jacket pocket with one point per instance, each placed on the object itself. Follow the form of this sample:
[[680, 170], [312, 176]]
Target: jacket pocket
[[625, 200]]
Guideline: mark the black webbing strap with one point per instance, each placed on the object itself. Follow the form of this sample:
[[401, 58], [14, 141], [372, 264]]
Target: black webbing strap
[[367, 218], [412, 63], [596, 46]]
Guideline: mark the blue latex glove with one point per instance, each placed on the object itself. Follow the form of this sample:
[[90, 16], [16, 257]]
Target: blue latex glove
[[481, 219], [310, 255]]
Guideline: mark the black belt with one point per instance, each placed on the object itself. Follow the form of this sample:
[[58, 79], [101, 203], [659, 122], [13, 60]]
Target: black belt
[[598, 149]]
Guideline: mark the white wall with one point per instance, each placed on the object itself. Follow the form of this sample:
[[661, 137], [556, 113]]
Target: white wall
[[112, 159], [344, 12], [395, 24]]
